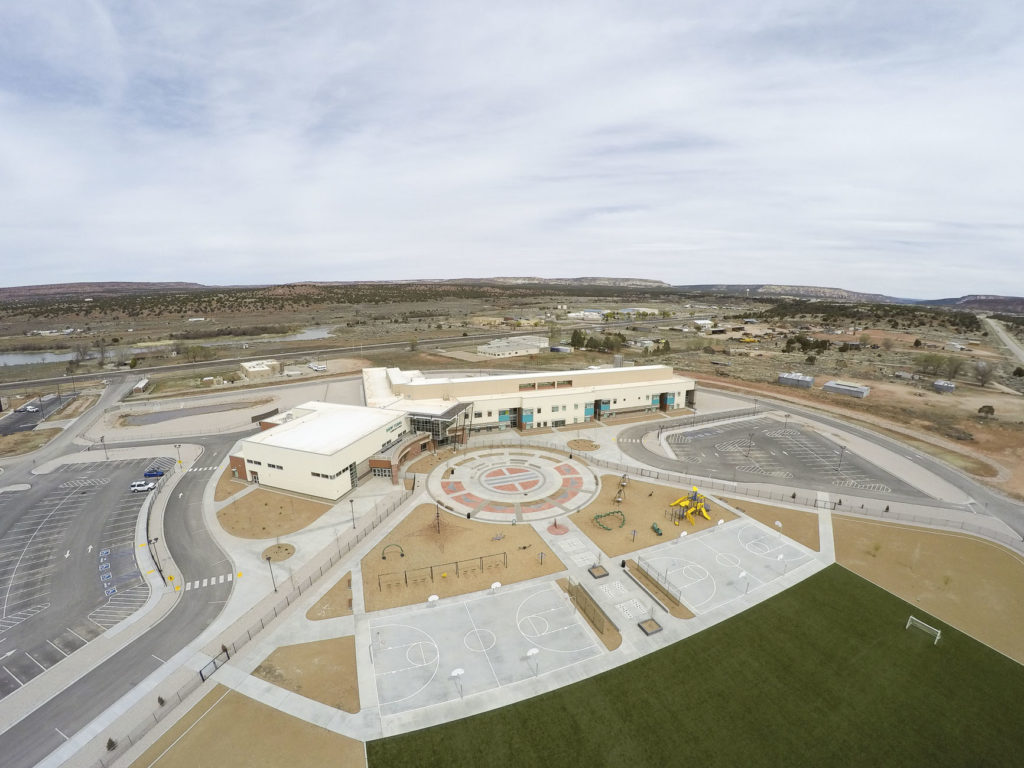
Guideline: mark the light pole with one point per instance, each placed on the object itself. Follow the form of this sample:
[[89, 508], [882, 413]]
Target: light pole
[[842, 450], [177, 447], [156, 556], [106, 456], [786, 425], [272, 579], [750, 443], [352, 509]]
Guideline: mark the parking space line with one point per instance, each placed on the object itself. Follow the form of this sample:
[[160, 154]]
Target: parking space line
[[69, 629], [35, 660], [12, 675], [59, 649]]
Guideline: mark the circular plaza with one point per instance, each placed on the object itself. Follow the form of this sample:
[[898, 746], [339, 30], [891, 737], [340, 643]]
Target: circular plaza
[[505, 485]]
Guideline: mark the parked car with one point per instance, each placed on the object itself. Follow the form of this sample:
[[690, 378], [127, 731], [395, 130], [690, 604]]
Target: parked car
[[31, 409], [153, 472], [142, 486]]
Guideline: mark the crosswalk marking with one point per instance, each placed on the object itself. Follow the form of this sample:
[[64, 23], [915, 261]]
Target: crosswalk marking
[[208, 582], [202, 469]]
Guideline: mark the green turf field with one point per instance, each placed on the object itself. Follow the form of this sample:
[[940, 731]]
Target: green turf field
[[822, 675]]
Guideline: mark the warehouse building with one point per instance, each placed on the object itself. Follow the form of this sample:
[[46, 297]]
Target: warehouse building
[[514, 346], [796, 380], [846, 388]]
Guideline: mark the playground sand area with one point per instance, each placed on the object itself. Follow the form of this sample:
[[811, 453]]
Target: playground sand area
[[265, 514], [643, 504], [337, 601], [228, 485], [448, 563], [798, 525], [583, 445], [968, 582], [322, 670], [229, 730], [278, 552]]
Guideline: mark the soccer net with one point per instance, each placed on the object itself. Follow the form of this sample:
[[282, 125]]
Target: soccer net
[[913, 622]]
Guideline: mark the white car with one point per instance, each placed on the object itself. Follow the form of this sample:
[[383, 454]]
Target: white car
[[31, 409], [142, 485]]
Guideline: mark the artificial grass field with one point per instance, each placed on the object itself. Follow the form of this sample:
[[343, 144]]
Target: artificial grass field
[[824, 674]]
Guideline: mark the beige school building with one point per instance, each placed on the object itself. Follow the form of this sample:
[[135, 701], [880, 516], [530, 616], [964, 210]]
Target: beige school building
[[323, 449]]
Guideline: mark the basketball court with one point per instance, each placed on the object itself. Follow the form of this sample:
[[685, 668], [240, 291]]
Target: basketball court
[[714, 567], [431, 655]]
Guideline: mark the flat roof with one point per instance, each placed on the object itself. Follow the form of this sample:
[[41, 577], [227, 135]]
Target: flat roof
[[419, 378], [324, 428]]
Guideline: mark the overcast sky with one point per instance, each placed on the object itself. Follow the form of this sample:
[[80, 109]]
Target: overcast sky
[[874, 146]]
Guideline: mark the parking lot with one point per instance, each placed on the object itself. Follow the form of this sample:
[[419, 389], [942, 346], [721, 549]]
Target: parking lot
[[25, 419], [773, 449], [67, 563]]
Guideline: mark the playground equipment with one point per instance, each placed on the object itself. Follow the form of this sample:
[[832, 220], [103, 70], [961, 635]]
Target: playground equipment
[[688, 506], [656, 529], [599, 518]]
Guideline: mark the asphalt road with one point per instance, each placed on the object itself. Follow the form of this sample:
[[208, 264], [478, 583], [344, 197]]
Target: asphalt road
[[1011, 343], [197, 557]]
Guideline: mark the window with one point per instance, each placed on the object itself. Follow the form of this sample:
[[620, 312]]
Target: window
[[539, 410], [382, 471], [488, 414], [274, 466], [575, 406], [254, 462], [478, 414]]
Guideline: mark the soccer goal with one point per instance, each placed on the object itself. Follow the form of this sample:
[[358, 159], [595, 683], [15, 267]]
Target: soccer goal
[[913, 622]]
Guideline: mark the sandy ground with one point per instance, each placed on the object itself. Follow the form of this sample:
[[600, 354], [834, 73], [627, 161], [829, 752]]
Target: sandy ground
[[611, 637], [968, 582], [228, 486], [324, 670], [265, 514], [428, 461], [336, 602], [278, 552], [644, 504], [24, 442], [800, 526], [583, 445], [675, 608], [384, 581], [74, 408], [635, 419], [229, 730]]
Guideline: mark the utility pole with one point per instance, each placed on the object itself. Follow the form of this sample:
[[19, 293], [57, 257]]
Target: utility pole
[[352, 509], [103, 442], [272, 579]]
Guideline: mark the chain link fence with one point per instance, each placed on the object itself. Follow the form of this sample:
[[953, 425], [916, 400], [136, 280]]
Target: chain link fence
[[233, 639]]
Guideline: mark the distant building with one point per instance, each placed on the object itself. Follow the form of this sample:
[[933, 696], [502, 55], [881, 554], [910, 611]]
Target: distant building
[[846, 388], [140, 386], [260, 369], [796, 380], [943, 386], [515, 346]]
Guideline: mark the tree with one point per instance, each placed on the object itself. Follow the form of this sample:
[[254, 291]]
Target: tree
[[917, 343], [1018, 371], [987, 411], [865, 339], [952, 366], [665, 348], [887, 344], [101, 349], [983, 372], [413, 344]]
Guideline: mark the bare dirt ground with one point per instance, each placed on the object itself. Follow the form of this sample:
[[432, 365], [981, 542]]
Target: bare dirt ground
[[278, 552], [229, 730], [265, 514], [800, 526], [337, 601], [644, 504], [970, 583], [428, 461], [384, 581], [74, 408], [25, 442], [583, 445], [634, 419], [323, 670], [228, 485]]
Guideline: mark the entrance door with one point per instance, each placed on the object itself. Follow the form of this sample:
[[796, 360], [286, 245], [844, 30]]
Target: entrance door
[[255, 477]]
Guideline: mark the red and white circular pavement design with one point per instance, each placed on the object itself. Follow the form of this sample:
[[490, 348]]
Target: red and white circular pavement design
[[511, 479]]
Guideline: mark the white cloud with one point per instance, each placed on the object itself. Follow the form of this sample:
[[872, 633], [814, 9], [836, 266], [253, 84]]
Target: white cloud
[[871, 146]]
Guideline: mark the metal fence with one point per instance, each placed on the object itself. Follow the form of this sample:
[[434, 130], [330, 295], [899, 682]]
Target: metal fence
[[660, 578], [232, 639], [808, 499]]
